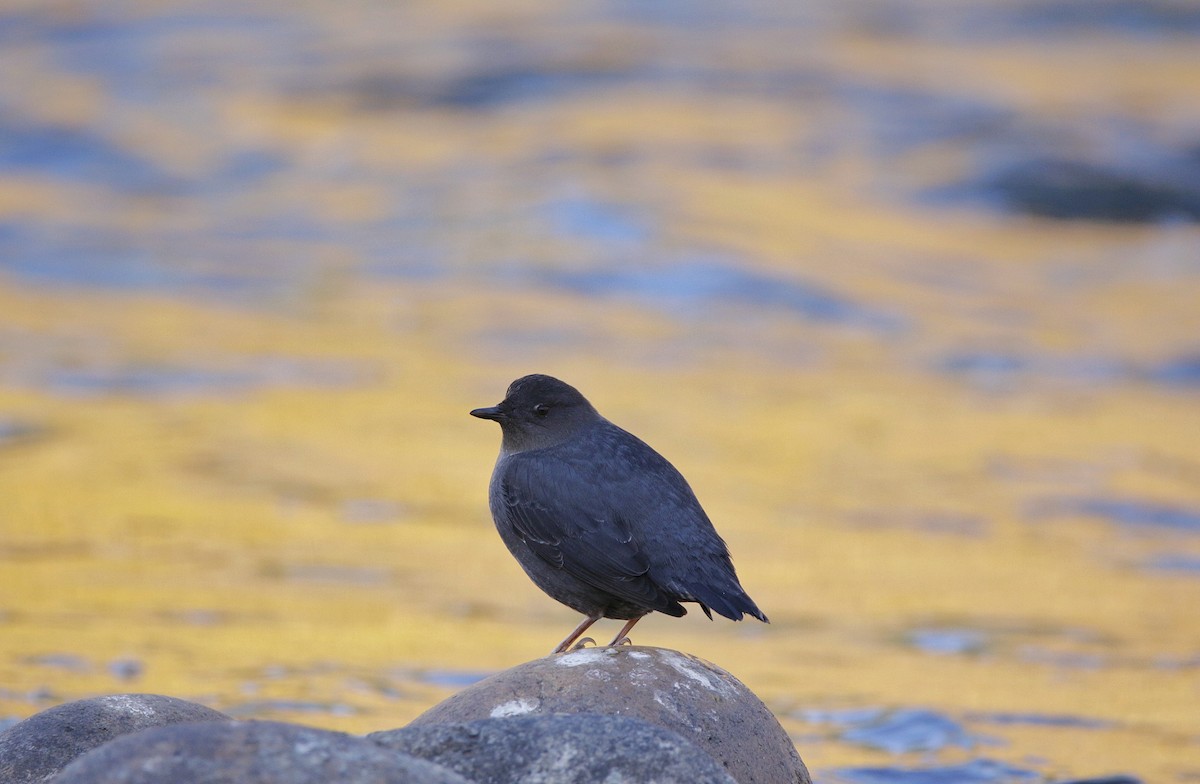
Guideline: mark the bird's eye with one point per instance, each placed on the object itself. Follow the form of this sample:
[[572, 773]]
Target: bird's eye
[[541, 409]]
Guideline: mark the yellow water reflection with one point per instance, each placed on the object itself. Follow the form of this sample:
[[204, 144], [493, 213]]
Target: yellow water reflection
[[953, 448], [206, 535]]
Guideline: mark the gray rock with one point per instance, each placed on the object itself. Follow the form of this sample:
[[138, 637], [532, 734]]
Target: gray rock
[[688, 696], [251, 752], [549, 749], [43, 744]]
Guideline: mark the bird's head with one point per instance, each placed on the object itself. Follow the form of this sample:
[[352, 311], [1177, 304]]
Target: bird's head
[[539, 411]]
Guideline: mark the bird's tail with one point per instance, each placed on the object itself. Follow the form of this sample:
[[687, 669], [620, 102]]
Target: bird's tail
[[731, 604]]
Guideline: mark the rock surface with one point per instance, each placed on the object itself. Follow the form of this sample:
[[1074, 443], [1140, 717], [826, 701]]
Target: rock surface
[[681, 693], [252, 752], [580, 748], [43, 744]]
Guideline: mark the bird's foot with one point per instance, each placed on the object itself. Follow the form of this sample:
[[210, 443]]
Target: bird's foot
[[622, 637], [566, 644], [582, 644]]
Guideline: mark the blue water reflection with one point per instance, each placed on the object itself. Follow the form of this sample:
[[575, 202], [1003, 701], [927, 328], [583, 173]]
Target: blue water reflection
[[948, 641], [1006, 371], [588, 219], [1041, 720], [911, 729], [163, 380], [898, 731], [692, 286], [14, 431], [977, 771], [1174, 563], [1181, 372], [80, 154], [1058, 17], [1122, 511]]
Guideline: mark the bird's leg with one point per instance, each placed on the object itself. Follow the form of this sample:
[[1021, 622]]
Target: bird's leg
[[574, 635], [622, 636]]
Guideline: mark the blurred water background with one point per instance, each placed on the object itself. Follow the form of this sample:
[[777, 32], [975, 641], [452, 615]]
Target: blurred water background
[[909, 290]]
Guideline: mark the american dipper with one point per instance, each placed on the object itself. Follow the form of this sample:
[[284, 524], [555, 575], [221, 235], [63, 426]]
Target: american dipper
[[599, 520]]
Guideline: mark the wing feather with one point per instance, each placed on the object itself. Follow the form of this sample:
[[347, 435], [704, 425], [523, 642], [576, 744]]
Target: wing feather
[[615, 514], [571, 524]]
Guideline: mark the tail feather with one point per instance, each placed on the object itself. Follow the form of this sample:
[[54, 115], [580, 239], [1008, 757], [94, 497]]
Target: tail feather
[[732, 605]]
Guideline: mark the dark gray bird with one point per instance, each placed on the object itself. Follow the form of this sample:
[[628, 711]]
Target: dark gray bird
[[599, 520]]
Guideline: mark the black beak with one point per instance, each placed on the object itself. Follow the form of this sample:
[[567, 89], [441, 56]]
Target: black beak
[[492, 412]]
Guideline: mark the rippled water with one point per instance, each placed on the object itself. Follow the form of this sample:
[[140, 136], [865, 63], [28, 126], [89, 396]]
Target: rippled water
[[908, 290]]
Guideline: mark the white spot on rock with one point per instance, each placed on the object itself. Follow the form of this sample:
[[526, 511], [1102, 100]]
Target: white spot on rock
[[583, 656], [128, 704], [642, 676], [305, 747], [513, 708], [689, 670]]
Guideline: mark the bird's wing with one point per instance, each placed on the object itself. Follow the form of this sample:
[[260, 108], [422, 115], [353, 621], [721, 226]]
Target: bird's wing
[[688, 558], [570, 521]]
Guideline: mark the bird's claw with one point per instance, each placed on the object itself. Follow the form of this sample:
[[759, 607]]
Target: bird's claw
[[620, 641], [582, 644]]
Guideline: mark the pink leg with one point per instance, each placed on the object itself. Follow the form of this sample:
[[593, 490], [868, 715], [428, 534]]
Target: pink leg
[[573, 636], [621, 638]]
